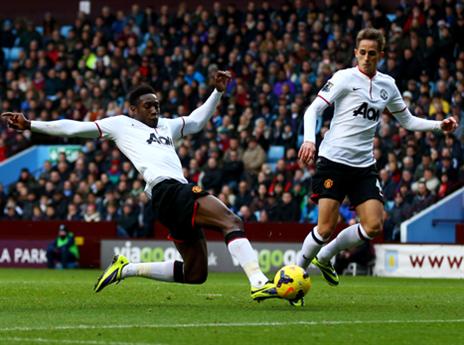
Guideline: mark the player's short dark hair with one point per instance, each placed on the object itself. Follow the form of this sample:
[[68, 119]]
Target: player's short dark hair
[[138, 91], [371, 34]]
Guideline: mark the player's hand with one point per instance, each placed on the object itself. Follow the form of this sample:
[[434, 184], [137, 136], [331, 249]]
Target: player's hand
[[307, 152], [16, 121], [221, 79], [449, 124]]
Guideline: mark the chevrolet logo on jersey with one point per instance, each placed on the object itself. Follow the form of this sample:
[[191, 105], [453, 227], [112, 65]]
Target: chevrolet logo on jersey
[[160, 140], [367, 112], [327, 87]]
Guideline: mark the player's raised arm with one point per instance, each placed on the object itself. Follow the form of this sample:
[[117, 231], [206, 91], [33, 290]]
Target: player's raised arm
[[16, 121], [200, 116], [64, 128]]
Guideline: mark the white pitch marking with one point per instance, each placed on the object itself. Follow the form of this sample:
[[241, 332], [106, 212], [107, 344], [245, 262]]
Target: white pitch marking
[[61, 341], [232, 324], [210, 294]]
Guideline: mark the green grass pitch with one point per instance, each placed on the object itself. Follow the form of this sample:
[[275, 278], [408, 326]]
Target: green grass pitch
[[60, 307]]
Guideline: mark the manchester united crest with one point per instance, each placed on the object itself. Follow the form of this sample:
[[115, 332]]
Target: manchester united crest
[[328, 183], [196, 189], [383, 94]]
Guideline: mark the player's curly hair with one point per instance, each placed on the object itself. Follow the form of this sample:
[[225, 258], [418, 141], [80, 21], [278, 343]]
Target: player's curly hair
[[371, 34], [138, 91]]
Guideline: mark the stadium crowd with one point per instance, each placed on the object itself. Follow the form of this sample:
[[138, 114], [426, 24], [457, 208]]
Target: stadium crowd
[[279, 57]]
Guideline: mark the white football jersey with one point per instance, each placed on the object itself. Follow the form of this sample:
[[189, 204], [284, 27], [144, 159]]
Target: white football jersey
[[358, 102], [151, 150]]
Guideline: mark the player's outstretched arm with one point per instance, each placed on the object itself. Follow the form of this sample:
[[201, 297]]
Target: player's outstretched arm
[[449, 125], [221, 79], [64, 128], [414, 123], [200, 116], [16, 121]]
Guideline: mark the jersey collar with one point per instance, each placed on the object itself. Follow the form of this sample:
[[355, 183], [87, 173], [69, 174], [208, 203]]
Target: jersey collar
[[364, 74]]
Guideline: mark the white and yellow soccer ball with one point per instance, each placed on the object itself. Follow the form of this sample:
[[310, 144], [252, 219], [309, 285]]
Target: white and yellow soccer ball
[[292, 282]]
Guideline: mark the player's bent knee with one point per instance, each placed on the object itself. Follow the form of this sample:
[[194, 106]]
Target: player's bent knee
[[325, 231], [373, 229], [233, 222]]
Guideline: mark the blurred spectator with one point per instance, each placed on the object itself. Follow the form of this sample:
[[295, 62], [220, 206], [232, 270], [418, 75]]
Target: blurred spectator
[[128, 223], [63, 251], [212, 178], [243, 196], [91, 214], [423, 198], [246, 214], [400, 211], [232, 169], [73, 213], [254, 156], [288, 209], [146, 217]]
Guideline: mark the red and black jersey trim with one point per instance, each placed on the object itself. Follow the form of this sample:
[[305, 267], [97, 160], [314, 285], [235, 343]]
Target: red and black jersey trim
[[99, 130], [183, 126], [399, 111], [324, 99]]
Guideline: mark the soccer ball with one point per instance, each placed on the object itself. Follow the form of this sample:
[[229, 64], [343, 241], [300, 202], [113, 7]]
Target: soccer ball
[[292, 282]]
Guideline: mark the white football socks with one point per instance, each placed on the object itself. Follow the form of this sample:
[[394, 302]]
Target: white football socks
[[311, 246], [243, 252], [350, 237], [163, 271]]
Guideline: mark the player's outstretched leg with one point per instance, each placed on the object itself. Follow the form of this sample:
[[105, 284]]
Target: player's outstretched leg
[[167, 271], [212, 213], [349, 237], [113, 273], [240, 248], [267, 291], [328, 271]]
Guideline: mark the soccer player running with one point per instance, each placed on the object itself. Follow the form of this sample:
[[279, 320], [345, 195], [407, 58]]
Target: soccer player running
[[147, 140], [346, 164]]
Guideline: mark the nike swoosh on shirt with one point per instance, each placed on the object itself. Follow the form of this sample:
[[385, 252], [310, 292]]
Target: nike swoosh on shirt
[[356, 88]]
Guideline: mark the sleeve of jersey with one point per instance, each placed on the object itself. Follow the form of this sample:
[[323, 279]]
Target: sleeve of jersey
[[310, 116], [108, 127], [401, 112], [66, 128], [414, 123], [200, 116], [177, 127], [396, 103], [334, 88]]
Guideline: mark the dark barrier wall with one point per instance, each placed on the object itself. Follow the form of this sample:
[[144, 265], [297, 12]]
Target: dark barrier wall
[[14, 234], [65, 11]]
